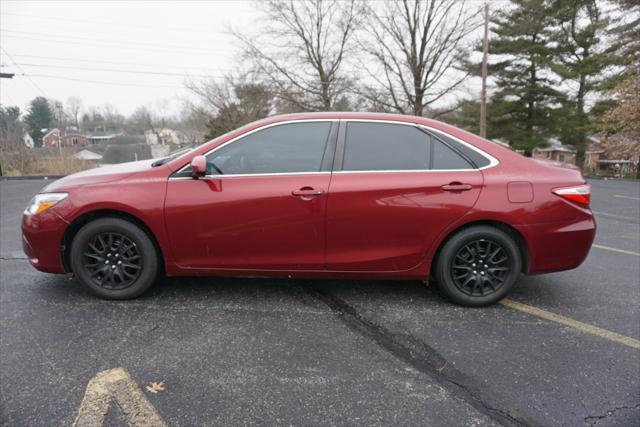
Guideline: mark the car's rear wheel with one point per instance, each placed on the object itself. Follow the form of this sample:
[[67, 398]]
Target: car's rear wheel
[[478, 265], [114, 258]]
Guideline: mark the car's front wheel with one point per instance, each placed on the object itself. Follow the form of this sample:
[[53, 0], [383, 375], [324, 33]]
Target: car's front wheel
[[478, 265], [114, 258]]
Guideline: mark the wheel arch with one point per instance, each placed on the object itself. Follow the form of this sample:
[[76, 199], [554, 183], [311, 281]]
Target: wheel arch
[[516, 235], [87, 217]]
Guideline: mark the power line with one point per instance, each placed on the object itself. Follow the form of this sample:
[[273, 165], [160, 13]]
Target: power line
[[127, 42], [84, 21], [119, 46], [22, 69], [60, 58], [97, 81], [113, 70]]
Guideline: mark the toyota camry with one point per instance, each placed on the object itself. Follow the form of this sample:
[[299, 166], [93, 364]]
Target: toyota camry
[[319, 195]]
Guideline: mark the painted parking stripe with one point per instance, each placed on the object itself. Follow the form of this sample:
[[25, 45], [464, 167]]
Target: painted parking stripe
[[620, 196], [575, 324], [615, 216], [609, 248], [116, 386]]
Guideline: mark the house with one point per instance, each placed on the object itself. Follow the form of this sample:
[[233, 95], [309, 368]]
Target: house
[[594, 152], [614, 155], [52, 138], [88, 154], [57, 137], [102, 137], [163, 136], [74, 138], [556, 152], [28, 141]]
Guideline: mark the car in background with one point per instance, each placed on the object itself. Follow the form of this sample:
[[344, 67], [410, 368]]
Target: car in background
[[333, 195]]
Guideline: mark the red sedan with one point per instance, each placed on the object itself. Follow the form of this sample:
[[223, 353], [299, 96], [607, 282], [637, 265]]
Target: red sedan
[[340, 195]]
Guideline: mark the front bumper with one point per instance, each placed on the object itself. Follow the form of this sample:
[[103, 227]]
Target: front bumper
[[559, 246], [42, 240]]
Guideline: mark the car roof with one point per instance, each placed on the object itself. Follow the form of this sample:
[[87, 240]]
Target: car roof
[[335, 115]]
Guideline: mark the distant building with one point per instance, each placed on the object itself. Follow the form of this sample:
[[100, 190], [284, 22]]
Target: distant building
[[619, 157], [102, 137], [52, 138], [88, 154], [594, 152], [556, 152], [28, 141], [164, 136], [57, 137]]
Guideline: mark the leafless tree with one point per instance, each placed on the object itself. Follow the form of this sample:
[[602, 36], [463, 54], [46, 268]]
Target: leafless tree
[[74, 105], [112, 118], [146, 118], [60, 118], [414, 47], [12, 146], [230, 103], [301, 50]]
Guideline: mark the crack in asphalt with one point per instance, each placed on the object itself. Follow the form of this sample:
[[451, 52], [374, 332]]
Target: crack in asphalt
[[594, 419], [427, 360]]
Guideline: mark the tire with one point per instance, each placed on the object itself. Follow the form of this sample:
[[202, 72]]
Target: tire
[[478, 266], [114, 259]]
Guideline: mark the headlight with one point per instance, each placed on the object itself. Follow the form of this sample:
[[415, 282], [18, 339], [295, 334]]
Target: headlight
[[44, 201]]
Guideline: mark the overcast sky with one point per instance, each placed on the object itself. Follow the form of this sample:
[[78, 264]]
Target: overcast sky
[[107, 52]]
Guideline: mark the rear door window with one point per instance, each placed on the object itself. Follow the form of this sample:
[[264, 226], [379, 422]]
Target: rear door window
[[382, 146], [373, 146]]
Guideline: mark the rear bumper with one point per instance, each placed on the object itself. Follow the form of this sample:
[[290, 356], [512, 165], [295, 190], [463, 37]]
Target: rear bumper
[[559, 246], [42, 239]]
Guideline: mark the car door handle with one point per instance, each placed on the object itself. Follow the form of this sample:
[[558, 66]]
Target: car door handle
[[307, 192], [457, 186]]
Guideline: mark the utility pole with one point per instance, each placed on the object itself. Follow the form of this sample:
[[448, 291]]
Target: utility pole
[[485, 51]]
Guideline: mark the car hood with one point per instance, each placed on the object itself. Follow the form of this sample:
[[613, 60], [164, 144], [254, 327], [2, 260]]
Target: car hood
[[99, 175]]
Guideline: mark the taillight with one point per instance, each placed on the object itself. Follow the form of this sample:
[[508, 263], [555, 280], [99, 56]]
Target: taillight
[[580, 194]]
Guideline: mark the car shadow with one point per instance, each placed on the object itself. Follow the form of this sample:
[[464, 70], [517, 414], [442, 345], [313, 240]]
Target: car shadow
[[198, 289]]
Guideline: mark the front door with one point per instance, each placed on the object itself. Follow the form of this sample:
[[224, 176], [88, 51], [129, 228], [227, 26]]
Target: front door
[[262, 204], [398, 188]]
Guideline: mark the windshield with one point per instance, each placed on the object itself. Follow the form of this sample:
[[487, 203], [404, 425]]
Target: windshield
[[174, 155]]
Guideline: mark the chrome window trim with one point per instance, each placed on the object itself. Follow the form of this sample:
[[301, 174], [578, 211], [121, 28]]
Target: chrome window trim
[[244, 175], [249, 133], [492, 160]]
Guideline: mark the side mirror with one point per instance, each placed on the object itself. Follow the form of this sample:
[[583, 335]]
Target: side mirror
[[198, 167]]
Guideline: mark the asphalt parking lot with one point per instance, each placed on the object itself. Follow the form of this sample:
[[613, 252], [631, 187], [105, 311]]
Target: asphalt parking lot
[[303, 352]]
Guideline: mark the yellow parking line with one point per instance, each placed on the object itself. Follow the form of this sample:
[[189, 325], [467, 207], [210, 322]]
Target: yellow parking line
[[580, 326], [609, 248], [116, 386], [620, 196]]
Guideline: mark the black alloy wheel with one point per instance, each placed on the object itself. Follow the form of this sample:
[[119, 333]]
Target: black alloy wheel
[[114, 258], [478, 265]]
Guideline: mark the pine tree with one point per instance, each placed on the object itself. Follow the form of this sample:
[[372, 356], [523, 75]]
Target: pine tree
[[39, 117], [525, 99], [584, 59]]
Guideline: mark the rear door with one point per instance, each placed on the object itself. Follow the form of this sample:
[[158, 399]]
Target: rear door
[[394, 189], [261, 205]]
